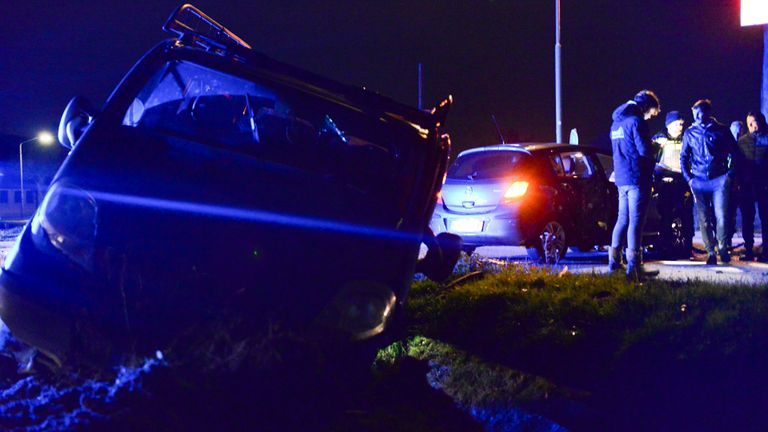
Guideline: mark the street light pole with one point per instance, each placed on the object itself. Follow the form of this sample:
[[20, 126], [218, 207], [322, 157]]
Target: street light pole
[[44, 138], [21, 173]]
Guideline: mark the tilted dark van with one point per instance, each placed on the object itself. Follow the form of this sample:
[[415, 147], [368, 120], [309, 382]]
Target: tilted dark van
[[216, 178]]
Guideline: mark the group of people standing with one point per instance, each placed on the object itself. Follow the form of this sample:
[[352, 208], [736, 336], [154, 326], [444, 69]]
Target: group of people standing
[[719, 171]]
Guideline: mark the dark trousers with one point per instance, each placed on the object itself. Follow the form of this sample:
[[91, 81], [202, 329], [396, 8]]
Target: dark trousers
[[712, 198], [752, 194]]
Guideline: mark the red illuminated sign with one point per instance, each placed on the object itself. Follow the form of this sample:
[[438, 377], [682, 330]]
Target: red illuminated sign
[[754, 12]]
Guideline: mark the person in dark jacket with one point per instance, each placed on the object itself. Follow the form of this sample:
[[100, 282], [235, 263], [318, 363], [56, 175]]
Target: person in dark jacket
[[707, 163], [634, 157], [752, 175]]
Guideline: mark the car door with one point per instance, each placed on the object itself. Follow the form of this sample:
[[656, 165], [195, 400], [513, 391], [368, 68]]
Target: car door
[[591, 194]]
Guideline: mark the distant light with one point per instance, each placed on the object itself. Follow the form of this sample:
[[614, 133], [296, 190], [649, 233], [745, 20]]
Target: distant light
[[45, 137], [754, 12]]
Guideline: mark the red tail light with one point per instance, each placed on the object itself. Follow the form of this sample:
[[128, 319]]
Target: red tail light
[[516, 190], [440, 197]]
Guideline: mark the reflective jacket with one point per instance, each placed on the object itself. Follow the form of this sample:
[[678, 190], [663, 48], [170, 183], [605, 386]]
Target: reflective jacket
[[708, 151], [669, 153], [634, 154]]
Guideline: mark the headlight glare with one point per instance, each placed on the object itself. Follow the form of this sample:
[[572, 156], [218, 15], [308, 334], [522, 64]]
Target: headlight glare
[[69, 218]]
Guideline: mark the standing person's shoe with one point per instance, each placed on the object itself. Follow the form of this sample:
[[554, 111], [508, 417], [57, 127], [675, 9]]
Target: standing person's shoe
[[749, 255], [614, 260], [635, 270], [763, 258], [725, 257], [711, 259]]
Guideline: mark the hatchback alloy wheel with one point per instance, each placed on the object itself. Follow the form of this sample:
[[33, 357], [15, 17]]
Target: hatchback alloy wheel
[[550, 246]]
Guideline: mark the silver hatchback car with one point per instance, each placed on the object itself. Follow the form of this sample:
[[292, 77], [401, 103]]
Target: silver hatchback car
[[546, 197]]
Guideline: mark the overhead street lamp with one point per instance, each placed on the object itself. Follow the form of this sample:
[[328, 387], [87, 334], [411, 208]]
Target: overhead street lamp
[[45, 138]]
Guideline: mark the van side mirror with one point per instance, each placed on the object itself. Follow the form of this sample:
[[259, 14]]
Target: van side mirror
[[78, 114]]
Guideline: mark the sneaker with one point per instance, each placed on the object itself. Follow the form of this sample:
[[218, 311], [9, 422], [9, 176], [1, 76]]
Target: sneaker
[[725, 257], [711, 259], [748, 256]]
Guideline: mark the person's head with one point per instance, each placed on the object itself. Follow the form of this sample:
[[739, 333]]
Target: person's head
[[756, 122], [674, 122], [702, 111], [648, 103], [737, 129]]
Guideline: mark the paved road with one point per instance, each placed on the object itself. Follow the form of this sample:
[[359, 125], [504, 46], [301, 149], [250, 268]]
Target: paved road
[[753, 273]]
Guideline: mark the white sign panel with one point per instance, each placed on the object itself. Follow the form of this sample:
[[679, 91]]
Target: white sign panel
[[754, 12]]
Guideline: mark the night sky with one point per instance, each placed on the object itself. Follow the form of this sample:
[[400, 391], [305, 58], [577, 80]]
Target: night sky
[[495, 57]]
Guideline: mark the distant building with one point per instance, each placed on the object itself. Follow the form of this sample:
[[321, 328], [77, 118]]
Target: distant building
[[36, 182]]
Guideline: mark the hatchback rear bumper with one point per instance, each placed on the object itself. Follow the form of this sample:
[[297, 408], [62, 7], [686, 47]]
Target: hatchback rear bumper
[[501, 227]]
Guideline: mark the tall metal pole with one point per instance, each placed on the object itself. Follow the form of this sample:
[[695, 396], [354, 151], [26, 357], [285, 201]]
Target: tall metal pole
[[764, 92], [420, 94], [21, 176], [558, 84]]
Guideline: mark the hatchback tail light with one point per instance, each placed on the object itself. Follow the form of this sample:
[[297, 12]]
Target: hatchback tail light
[[516, 190]]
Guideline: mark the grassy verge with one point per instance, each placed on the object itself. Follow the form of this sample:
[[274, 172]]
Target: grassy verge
[[665, 354]]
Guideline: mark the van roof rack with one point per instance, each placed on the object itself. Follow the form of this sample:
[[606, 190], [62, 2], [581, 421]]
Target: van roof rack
[[195, 27]]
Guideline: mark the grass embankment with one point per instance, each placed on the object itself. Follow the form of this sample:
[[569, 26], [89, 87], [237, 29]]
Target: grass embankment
[[664, 354]]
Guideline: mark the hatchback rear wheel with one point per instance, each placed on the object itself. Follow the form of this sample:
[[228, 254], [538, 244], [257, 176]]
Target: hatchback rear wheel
[[550, 245]]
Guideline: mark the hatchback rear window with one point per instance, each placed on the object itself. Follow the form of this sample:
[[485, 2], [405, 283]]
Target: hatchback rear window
[[487, 165]]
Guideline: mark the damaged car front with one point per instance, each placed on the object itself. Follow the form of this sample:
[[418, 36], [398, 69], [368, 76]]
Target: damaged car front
[[217, 179]]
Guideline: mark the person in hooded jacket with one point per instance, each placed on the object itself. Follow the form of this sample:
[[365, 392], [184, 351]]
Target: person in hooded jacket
[[634, 157], [707, 163]]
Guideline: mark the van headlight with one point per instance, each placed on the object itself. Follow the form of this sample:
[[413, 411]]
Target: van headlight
[[68, 216], [361, 309]]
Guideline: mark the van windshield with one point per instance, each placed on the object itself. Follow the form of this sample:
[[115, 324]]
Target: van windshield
[[196, 102], [486, 165], [277, 124]]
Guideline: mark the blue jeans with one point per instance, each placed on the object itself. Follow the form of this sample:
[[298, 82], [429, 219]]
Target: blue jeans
[[633, 208], [712, 198]]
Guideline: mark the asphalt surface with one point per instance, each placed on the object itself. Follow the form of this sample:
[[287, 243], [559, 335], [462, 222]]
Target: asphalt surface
[[753, 273]]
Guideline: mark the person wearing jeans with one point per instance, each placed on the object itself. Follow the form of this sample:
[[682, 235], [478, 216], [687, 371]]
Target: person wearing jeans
[[712, 198], [633, 208], [707, 162], [634, 157]]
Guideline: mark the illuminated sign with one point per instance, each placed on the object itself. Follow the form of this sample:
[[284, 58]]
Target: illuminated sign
[[754, 12]]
